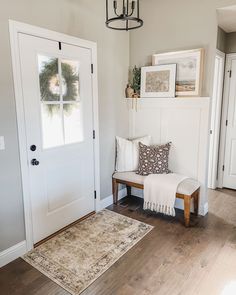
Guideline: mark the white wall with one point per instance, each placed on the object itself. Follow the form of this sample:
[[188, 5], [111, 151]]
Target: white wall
[[184, 122]]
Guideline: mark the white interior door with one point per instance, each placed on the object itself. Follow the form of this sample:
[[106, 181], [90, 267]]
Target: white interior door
[[229, 178], [57, 92]]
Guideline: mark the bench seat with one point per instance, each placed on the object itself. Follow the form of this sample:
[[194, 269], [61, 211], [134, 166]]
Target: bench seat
[[186, 187], [187, 190]]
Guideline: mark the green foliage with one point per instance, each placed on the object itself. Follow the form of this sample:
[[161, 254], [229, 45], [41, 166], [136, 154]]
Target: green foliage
[[71, 79], [49, 71], [136, 79]]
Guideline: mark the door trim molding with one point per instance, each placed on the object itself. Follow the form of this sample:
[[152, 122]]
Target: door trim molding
[[229, 58], [215, 122], [15, 28]]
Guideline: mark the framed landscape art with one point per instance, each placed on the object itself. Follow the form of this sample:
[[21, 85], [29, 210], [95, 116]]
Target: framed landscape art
[[158, 81], [189, 69]]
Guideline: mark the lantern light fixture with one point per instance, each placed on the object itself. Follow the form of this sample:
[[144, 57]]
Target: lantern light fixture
[[125, 15]]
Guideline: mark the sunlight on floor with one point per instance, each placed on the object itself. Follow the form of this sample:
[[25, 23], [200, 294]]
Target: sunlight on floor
[[230, 289]]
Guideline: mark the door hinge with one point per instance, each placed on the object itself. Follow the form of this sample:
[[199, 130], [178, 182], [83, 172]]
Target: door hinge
[[59, 45], [91, 68], [211, 131], [230, 73], [223, 168], [95, 195], [94, 134], [226, 123]]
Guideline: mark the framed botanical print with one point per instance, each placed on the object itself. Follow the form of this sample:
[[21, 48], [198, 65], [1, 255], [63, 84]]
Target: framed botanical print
[[158, 81], [189, 69]]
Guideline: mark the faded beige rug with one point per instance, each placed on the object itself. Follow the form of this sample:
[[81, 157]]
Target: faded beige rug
[[79, 255]]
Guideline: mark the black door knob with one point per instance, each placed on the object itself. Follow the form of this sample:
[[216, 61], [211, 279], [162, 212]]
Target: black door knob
[[34, 162]]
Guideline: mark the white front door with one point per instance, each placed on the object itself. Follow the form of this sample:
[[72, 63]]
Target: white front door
[[229, 179], [58, 108]]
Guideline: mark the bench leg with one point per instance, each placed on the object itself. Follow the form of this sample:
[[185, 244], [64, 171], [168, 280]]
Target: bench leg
[[115, 185], [187, 202], [196, 202], [128, 188]]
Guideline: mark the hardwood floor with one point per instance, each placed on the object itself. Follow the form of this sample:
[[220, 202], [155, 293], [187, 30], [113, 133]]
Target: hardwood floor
[[170, 260]]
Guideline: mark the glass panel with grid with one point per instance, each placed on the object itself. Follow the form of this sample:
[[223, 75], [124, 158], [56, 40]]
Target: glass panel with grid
[[61, 112]]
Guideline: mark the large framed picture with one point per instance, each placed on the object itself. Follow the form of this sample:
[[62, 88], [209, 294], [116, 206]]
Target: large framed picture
[[189, 69], [158, 81]]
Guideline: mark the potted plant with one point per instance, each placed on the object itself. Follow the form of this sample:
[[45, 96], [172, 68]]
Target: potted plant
[[136, 83]]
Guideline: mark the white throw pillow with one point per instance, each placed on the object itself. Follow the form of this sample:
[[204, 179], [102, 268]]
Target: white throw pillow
[[127, 156]]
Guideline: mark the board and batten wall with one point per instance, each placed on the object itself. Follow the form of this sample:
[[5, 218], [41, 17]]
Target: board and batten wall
[[180, 25], [185, 123], [79, 18]]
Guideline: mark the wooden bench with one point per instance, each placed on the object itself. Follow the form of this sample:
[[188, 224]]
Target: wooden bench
[[187, 190]]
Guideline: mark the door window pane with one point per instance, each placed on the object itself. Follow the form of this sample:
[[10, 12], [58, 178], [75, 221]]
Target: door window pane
[[52, 125], [60, 101], [49, 79], [70, 80], [73, 123]]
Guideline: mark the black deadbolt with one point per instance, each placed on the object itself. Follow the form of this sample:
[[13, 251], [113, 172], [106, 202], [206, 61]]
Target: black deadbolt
[[33, 148]]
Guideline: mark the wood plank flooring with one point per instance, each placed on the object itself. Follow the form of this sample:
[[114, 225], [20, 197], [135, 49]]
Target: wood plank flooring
[[170, 260]]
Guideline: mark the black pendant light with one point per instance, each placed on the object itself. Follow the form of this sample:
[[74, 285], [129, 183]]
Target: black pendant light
[[125, 15]]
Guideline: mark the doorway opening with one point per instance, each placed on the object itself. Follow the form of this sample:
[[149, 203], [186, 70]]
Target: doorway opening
[[222, 152]]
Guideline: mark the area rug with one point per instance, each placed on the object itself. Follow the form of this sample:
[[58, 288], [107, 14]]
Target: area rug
[[78, 256]]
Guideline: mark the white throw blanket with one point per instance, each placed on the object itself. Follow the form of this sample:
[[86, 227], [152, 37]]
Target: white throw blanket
[[160, 192]]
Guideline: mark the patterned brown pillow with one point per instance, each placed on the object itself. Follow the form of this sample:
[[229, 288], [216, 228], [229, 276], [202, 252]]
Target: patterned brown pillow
[[153, 159]]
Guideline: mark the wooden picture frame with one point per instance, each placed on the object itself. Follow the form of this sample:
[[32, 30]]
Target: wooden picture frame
[[189, 74], [158, 81]]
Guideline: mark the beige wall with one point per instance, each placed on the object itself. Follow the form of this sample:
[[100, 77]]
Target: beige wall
[[221, 40], [226, 42], [230, 43], [176, 25], [85, 19]]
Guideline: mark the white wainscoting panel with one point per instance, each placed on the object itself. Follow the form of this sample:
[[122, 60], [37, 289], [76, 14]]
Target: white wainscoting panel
[[184, 122]]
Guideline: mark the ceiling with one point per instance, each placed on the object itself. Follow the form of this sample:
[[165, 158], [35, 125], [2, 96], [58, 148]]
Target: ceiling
[[227, 18]]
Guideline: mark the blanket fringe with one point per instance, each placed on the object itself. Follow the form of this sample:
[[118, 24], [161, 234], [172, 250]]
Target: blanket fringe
[[167, 210]]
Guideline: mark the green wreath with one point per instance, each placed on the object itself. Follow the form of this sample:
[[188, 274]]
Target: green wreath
[[49, 72]]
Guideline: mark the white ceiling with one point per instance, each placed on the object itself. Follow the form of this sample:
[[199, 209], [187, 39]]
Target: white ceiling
[[227, 18]]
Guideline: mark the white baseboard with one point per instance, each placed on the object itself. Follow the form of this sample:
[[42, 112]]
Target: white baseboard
[[205, 210], [109, 200], [12, 253]]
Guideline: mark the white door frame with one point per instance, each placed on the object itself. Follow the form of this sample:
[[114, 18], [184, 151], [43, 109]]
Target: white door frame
[[216, 109], [229, 58], [15, 28]]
